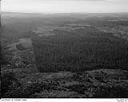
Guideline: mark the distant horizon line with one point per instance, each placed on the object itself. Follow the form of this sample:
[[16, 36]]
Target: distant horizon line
[[63, 12]]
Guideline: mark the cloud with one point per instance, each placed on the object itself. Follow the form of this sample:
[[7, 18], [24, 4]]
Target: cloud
[[74, 0], [65, 6], [84, 0]]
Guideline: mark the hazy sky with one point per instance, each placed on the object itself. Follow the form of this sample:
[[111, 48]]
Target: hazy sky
[[65, 6]]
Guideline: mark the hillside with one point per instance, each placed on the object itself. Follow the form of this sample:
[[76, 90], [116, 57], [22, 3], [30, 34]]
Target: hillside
[[55, 57]]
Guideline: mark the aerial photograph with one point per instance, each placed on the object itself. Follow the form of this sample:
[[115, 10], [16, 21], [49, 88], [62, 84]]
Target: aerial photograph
[[64, 48]]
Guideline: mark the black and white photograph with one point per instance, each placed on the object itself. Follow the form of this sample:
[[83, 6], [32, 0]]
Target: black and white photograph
[[71, 49]]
